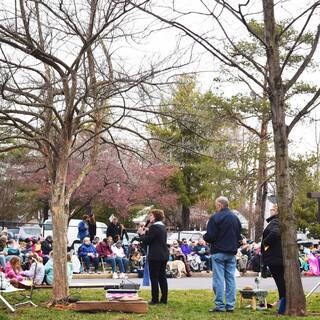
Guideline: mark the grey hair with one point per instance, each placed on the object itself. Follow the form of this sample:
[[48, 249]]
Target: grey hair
[[223, 201], [85, 239]]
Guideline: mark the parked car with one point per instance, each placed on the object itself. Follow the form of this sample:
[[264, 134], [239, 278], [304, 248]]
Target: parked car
[[189, 235], [73, 229]]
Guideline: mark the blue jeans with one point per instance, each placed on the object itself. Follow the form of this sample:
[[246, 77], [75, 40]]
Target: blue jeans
[[87, 261], [207, 259], [112, 261], [122, 263], [224, 267]]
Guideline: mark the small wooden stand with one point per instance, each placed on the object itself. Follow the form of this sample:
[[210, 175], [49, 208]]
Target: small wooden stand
[[253, 295]]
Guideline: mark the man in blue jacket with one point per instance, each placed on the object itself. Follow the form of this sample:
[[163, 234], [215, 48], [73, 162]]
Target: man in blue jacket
[[224, 235], [88, 253], [83, 228]]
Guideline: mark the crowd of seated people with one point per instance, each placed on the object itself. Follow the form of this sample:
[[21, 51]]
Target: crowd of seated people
[[309, 258], [113, 254], [31, 259], [194, 254], [34, 258], [249, 257]]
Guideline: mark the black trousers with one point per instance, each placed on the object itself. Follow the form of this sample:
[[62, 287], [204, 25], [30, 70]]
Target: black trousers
[[277, 273], [158, 278]]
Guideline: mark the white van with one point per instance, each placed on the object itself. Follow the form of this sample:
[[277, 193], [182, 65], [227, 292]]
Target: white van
[[29, 231], [73, 229]]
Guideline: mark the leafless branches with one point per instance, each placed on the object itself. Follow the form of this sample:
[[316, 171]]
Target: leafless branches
[[223, 14], [60, 78]]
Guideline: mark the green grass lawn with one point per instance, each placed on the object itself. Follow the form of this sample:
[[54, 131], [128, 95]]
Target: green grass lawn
[[188, 304]]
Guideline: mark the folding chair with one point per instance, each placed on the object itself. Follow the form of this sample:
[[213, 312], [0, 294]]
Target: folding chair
[[29, 296], [4, 300]]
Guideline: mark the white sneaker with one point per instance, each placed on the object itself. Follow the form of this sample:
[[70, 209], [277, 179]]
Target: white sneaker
[[114, 275], [123, 276]]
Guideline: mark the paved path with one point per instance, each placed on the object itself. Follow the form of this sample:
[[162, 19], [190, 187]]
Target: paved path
[[206, 282]]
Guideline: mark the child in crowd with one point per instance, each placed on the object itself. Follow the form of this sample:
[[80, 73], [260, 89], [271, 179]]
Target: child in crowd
[[26, 249], [69, 267], [3, 253], [48, 269], [36, 247], [14, 270], [12, 249], [37, 270], [49, 278]]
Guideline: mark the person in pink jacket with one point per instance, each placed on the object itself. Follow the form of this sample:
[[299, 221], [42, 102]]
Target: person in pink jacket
[[13, 270]]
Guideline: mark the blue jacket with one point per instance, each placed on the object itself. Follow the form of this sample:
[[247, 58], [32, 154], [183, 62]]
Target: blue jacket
[[223, 232], [85, 249], [83, 230]]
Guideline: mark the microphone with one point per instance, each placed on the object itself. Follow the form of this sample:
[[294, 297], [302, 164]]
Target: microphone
[[147, 223]]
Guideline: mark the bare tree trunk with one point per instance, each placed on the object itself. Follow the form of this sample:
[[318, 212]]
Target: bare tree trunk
[[296, 302], [59, 208], [262, 185], [185, 215]]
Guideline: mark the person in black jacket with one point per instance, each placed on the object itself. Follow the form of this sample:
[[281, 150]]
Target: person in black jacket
[[114, 229], [92, 226], [224, 235], [271, 251], [158, 253], [46, 245]]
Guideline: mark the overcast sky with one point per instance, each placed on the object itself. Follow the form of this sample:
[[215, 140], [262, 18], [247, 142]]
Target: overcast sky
[[303, 136], [161, 43]]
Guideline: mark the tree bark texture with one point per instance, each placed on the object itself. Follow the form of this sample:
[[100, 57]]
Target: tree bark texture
[[262, 184], [295, 303], [185, 217], [59, 204]]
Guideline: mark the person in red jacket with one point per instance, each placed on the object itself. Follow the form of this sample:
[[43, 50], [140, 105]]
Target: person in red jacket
[[104, 250]]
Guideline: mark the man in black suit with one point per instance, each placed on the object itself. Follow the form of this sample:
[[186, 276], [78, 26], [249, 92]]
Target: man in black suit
[[155, 238]]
